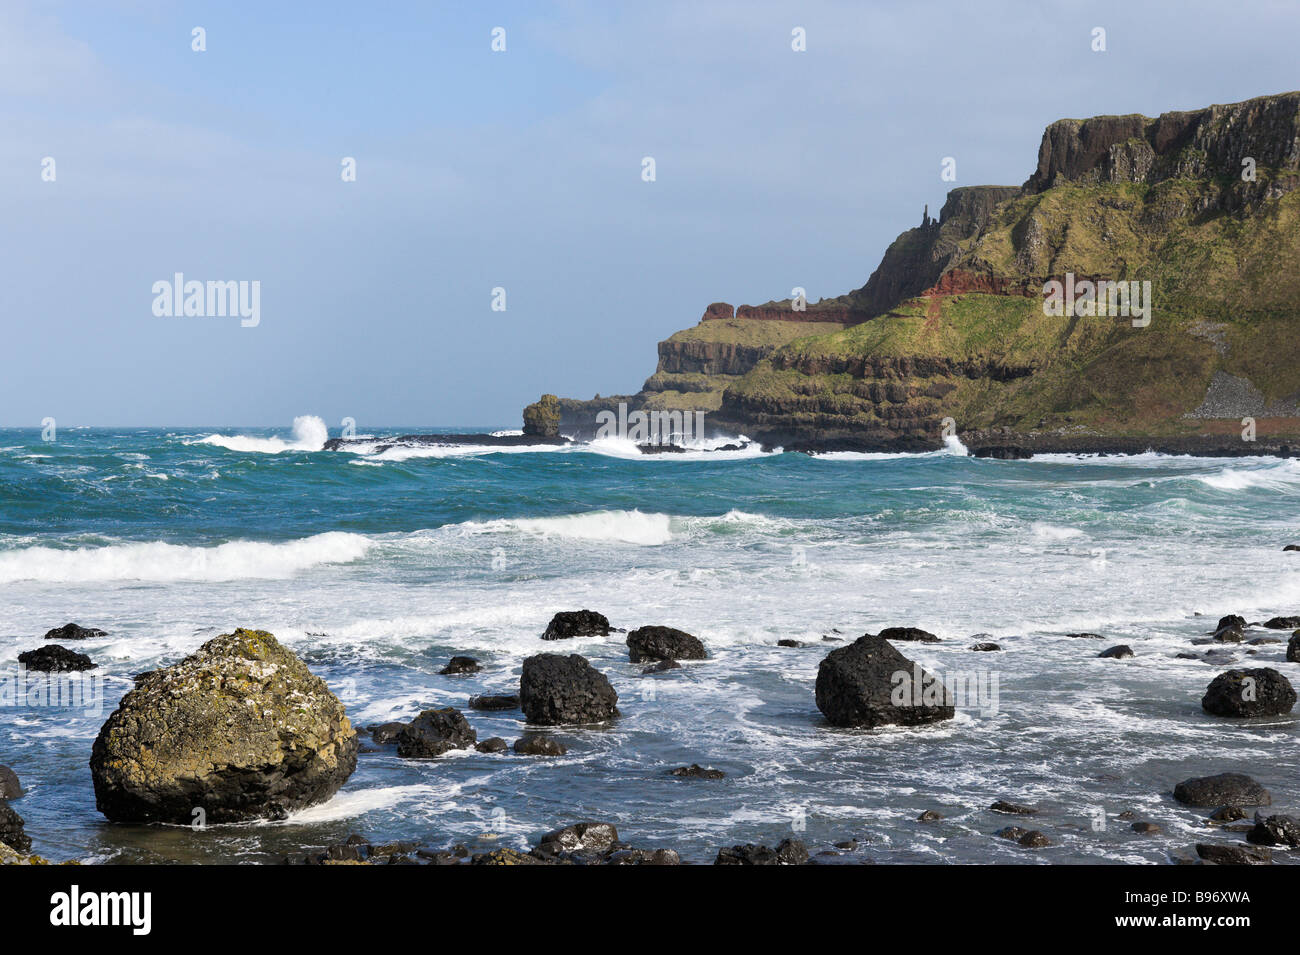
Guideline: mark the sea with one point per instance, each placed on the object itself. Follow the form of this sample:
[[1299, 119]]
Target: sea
[[378, 563]]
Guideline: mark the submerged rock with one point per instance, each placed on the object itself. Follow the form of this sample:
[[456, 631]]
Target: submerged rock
[[1229, 635], [1283, 623], [663, 666], [1146, 828], [1275, 831], [1085, 636], [1121, 651], [536, 744], [1224, 789], [556, 689], [1012, 809], [1233, 855], [869, 683], [648, 644], [1232, 621], [1248, 693], [696, 771], [985, 646], [240, 729], [908, 634], [459, 665], [386, 732], [72, 631], [793, 644], [929, 815], [788, 852], [1227, 814], [53, 658], [504, 702], [434, 732], [1033, 839], [576, 623], [493, 744]]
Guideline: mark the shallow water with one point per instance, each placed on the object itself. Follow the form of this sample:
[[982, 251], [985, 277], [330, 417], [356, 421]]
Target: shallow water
[[377, 567]]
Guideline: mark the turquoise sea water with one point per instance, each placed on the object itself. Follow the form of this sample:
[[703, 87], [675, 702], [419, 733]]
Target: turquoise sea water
[[377, 566]]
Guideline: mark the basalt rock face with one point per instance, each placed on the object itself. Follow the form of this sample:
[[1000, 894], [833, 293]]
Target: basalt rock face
[[949, 335], [555, 689], [241, 730]]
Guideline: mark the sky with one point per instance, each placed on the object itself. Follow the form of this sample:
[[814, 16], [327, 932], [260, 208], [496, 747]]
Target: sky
[[518, 169]]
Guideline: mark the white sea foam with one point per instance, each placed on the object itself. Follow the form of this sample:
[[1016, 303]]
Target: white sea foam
[[630, 527], [309, 434], [158, 561]]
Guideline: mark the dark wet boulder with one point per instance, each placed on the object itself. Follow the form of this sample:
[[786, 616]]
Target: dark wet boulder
[[537, 744], [1263, 641], [1120, 651], [1085, 636], [576, 623], [1185, 655], [11, 829], [908, 634], [458, 665], [788, 852], [556, 689], [648, 644], [53, 658], [1033, 839], [929, 815], [1226, 814], [503, 702], [1013, 809], [1229, 635], [869, 683], [1224, 789], [10, 787], [793, 644], [663, 666], [386, 732], [1232, 621], [505, 856], [1275, 831], [1146, 828], [1233, 855], [587, 837], [1290, 547], [72, 631], [493, 744], [1249, 693], [434, 732], [1011, 833], [1283, 623], [696, 771], [985, 646], [644, 857], [240, 729], [1293, 648]]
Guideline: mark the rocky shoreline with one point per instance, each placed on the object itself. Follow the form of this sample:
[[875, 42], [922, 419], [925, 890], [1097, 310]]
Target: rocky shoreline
[[241, 730]]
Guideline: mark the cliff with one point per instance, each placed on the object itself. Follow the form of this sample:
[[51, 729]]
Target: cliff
[[1202, 205]]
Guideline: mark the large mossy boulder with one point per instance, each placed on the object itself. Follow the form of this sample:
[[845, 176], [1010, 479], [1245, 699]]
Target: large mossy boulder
[[555, 689], [869, 683], [241, 730], [542, 417]]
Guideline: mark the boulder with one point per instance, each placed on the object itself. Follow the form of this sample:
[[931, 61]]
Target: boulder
[[1012, 833], [53, 658], [597, 837], [576, 623], [663, 666], [1275, 831], [1247, 693], [644, 857], [1224, 789], [10, 787], [1146, 828], [537, 744], [1291, 547], [869, 683], [1233, 855], [71, 631], [1229, 635], [788, 852], [240, 729], [985, 647], [1033, 839], [793, 644], [929, 815], [504, 702], [1227, 814], [908, 634], [1232, 621], [556, 689], [1120, 651], [1085, 636], [1293, 648], [458, 665], [1013, 809], [1283, 623], [648, 644], [493, 744], [696, 771], [11, 829], [434, 732], [386, 732]]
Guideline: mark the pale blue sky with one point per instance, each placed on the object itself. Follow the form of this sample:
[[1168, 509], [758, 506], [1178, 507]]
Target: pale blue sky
[[519, 169]]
